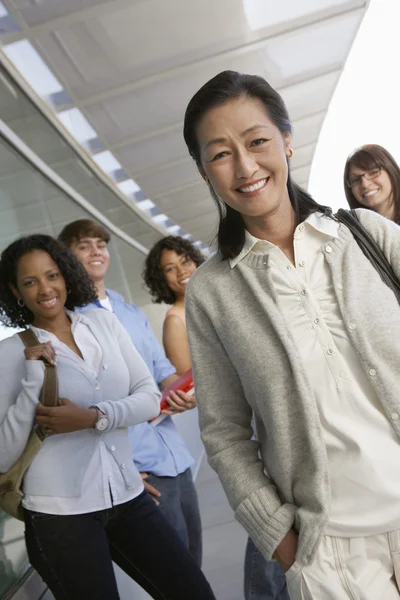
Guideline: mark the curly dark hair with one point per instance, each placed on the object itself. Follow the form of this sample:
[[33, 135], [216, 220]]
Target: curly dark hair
[[80, 289], [153, 275]]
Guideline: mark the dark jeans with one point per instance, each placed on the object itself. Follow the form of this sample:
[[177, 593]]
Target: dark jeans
[[263, 579], [180, 506], [74, 553]]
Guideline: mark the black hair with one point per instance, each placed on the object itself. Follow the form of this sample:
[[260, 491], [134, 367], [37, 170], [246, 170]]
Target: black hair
[[224, 87], [80, 289], [153, 274]]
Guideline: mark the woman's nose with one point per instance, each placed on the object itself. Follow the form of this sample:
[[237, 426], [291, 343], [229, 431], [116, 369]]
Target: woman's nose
[[246, 165]]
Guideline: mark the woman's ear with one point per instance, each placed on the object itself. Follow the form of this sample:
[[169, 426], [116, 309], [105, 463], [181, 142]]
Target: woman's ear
[[204, 176], [288, 144], [14, 290]]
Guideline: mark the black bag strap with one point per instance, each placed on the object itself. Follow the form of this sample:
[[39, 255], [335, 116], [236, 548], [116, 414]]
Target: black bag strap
[[370, 248], [49, 395]]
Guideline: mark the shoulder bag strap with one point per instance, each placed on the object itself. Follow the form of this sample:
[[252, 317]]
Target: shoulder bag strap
[[49, 396], [371, 249]]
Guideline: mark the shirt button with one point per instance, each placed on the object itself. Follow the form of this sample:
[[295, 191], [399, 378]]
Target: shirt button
[[352, 326], [316, 320], [105, 367], [301, 227], [301, 263], [340, 287], [328, 249], [288, 267], [330, 351], [112, 448], [97, 386], [304, 292], [123, 466], [372, 372], [394, 416]]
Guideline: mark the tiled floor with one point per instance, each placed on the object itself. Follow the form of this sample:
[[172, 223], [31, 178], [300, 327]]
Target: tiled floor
[[224, 540]]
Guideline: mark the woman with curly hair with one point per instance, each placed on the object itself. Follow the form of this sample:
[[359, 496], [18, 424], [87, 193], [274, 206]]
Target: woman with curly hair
[[169, 267], [84, 501], [372, 180]]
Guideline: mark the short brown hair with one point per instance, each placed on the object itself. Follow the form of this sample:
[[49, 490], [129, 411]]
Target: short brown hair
[[75, 231], [367, 157]]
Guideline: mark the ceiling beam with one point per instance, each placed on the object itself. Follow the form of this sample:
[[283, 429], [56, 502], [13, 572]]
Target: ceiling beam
[[77, 16], [59, 183], [67, 138], [287, 27], [136, 139]]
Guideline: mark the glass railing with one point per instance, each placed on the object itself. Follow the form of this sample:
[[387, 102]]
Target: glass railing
[[13, 556]]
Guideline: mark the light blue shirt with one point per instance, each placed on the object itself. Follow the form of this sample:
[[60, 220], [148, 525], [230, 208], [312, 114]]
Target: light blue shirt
[[159, 450]]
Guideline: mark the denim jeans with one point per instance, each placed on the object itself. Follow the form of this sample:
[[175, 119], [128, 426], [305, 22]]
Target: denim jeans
[[180, 506], [263, 579], [74, 553]]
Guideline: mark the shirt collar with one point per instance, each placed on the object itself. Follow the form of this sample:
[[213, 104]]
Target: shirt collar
[[75, 318], [316, 220]]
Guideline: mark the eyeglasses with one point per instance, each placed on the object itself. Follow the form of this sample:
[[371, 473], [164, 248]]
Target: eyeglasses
[[371, 174]]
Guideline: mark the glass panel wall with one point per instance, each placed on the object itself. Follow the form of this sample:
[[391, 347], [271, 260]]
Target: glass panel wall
[[30, 203]]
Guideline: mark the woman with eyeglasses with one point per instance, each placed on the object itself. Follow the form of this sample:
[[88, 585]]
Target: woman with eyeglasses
[[372, 180]]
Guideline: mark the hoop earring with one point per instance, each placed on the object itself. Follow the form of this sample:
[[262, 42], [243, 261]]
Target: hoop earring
[[207, 181], [290, 152], [20, 303]]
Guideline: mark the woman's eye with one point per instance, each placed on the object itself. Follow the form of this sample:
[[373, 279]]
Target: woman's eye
[[219, 155], [53, 275], [258, 142]]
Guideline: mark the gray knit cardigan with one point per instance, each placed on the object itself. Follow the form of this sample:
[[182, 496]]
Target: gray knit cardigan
[[245, 362]]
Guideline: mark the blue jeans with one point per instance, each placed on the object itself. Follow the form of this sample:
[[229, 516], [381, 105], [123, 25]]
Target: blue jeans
[[180, 505], [263, 579], [73, 553]]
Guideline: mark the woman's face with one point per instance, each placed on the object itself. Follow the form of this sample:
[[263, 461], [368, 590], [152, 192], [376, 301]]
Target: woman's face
[[244, 155], [40, 284], [374, 192], [177, 270]]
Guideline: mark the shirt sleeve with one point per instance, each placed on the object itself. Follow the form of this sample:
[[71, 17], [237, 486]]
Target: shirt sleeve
[[225, 422], [162, 367], [143, 401], [19, 396]]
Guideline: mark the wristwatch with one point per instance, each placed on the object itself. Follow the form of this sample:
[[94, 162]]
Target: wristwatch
[[102, 420]]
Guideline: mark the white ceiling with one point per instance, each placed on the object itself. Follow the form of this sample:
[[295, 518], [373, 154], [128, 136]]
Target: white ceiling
[[131, 67]]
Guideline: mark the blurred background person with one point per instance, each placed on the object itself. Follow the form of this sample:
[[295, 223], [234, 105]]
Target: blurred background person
[[159, 452], [84, 500], [168, 269], [372, 180]]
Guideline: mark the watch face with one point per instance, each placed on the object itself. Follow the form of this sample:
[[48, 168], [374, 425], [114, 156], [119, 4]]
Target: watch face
[[102, 424]]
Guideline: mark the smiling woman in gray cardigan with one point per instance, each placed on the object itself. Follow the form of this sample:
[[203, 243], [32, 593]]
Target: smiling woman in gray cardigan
[[84, 501], [290, 323]]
